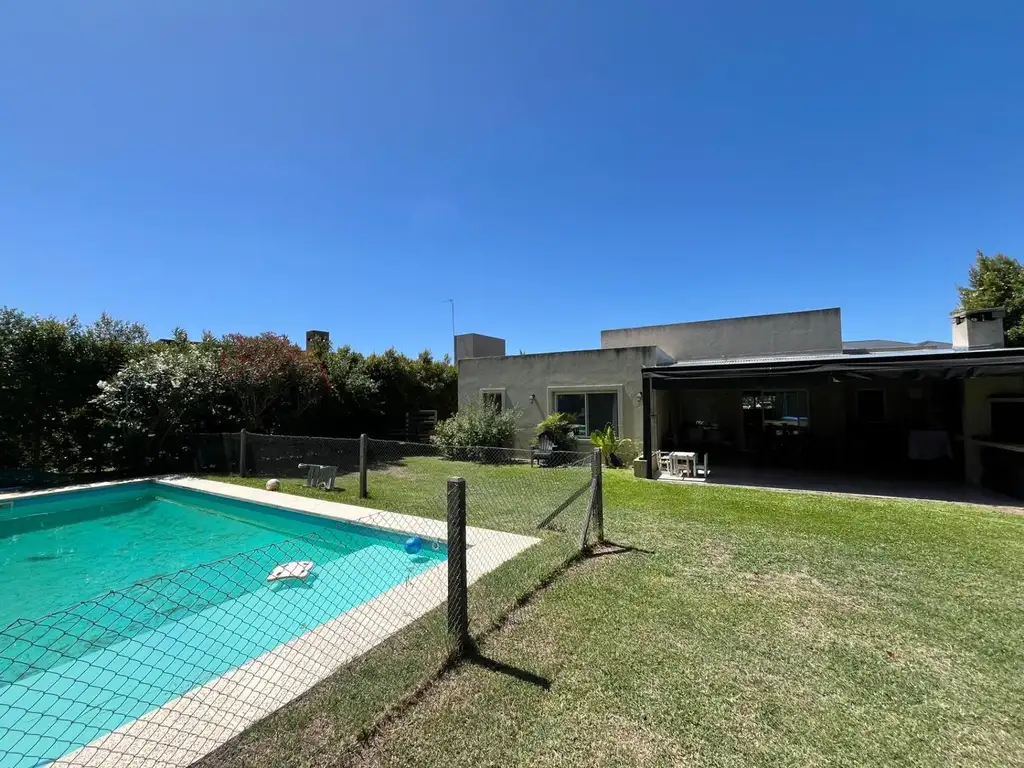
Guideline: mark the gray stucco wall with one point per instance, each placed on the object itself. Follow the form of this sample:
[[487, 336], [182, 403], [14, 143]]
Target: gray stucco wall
[[478, 345], [818, 330], [519, 376], [978, 416]]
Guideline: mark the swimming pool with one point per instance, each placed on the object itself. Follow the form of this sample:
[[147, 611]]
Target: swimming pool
[[123, 598]]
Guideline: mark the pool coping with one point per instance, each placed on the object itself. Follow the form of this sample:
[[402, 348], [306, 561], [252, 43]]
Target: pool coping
[[204, 718]]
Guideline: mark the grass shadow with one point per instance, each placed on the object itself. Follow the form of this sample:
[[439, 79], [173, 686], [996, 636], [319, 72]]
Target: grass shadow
[[476, 658], [606, 548]]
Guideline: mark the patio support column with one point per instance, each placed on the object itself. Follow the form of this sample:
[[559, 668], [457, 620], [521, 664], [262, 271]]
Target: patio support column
[[648, 393]]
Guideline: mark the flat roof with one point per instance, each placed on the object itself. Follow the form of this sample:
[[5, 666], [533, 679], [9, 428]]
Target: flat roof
[[892, 344], [707, 321], [588, 351], [958, 362]]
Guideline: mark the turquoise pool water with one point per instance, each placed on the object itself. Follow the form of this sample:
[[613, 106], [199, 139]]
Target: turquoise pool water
[[117, 600]]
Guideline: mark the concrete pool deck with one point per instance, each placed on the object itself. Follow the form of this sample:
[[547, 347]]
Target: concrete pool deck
[[204, 718]]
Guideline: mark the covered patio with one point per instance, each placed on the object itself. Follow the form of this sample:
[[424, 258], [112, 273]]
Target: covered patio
[[853, 484], [929, 424]]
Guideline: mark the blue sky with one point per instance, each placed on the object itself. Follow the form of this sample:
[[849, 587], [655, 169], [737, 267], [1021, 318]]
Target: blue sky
[[556, 167]]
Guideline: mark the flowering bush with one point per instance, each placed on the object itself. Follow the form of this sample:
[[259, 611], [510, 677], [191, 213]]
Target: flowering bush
[[176, 389], [266, 374]]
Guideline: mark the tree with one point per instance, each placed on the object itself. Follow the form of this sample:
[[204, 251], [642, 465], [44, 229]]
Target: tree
[[404, 385], [49, 370], [438, 383], [175, 389], [997, 281], [270, 378], [56, 416], [352, 388], [35, 357]]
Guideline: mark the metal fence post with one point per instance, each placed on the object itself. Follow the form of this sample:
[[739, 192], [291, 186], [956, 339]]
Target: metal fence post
[[598, 469], [363, 449], [594, 507], [458, 599], [241, 453], [590, 518]]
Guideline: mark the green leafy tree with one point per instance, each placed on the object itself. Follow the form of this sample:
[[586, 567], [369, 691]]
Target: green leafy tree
[[36, 358], [319, 347], [55, 417], [997, 281], [404, 384], [353, 390], [49, 370], [438, 382]]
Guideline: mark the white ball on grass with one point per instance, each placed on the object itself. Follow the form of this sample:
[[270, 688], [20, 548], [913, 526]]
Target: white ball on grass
[[273, 485]]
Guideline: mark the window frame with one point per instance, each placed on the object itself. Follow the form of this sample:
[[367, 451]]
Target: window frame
[[618, 390], [804, 422], [500, 391]]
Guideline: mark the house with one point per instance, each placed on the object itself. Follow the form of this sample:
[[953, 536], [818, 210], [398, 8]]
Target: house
[[781, 390]]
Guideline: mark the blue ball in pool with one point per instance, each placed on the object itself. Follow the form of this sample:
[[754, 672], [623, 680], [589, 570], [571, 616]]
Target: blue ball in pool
[[413, 545]]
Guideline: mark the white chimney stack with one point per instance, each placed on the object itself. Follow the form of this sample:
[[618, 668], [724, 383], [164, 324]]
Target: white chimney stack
[[978, 328]]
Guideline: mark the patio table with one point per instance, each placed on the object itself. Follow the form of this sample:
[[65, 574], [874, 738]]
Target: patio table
[[689, 458]]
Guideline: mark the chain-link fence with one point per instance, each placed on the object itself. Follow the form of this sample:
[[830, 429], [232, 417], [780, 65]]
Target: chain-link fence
[[134, 456], [376, 596], [545, 498], [544, 495], [285, 456]]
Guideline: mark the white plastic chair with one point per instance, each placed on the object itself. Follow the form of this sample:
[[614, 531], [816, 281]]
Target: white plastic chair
[[320, 476], [664, 462]]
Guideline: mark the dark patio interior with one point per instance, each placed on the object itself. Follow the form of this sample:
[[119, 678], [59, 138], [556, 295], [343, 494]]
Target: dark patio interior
[[914, 426]]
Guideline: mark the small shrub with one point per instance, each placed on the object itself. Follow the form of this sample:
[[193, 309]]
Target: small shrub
[[617, 451], [559, 427], [476, 425], [628, 450]]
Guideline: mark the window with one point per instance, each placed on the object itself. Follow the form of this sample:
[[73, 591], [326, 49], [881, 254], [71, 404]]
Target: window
[[871, 405], [591, 411], [789, 407], [793, 406], [494, 398]]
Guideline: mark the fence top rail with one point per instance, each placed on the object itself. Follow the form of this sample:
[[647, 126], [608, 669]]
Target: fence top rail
[[298, 437], [428, 445], [470, 447]]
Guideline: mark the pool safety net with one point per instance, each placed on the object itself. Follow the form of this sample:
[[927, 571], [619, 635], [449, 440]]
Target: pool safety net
[[208, 663]]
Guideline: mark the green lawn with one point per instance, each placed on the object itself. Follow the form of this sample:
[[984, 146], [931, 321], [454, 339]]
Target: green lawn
[[745, 627]]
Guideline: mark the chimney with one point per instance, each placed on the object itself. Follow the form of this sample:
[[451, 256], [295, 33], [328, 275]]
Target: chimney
[[978, 328], [478, 345], [317, 337]]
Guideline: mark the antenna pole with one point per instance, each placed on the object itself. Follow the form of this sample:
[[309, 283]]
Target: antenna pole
[[454, 351]]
